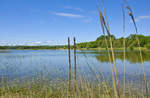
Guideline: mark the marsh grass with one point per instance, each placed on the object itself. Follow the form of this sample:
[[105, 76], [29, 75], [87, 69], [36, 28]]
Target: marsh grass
[[43, 88]]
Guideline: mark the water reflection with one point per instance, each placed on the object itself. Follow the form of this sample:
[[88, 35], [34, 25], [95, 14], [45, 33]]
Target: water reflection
[[131, 56]]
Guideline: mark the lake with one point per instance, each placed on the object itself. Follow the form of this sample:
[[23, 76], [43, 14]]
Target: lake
[[53, 64]]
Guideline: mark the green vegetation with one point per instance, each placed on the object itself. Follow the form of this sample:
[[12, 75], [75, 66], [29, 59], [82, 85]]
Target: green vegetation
[[131, 42], [32, 47]]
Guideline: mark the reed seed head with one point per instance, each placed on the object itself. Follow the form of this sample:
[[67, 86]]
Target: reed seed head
[[130, 13]]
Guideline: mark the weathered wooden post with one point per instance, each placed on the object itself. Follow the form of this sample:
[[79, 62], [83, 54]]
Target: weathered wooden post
[[69, 61], [75, 66]]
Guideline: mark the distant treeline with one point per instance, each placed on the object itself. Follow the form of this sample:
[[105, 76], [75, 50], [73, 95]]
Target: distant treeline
[[131, 42], [32, 47]]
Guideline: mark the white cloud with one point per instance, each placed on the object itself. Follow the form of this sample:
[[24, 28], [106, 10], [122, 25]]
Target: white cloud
[[142, 18], [69, 15], [31, 43]]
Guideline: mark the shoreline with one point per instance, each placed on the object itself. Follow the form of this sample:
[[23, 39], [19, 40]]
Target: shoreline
[[136, 48]]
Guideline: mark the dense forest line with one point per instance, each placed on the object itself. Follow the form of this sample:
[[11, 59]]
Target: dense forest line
[[131, 42], [31, 47]]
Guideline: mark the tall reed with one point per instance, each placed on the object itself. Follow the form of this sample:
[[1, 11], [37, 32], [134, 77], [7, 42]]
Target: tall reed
[[130, 12], [106, 25], [124, 53], [109, 56]]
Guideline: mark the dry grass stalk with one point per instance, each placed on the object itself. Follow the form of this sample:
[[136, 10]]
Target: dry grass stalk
[[102, 26], [106, 25], [139, 47], [124, 53], [105, 14]]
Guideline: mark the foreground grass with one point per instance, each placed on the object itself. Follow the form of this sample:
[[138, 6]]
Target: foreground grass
[[44, 88]]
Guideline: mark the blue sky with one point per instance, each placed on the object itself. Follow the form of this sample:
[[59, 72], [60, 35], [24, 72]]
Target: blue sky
[[35, 22]]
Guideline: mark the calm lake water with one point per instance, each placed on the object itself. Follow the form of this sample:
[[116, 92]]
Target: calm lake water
[[53, 64]]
